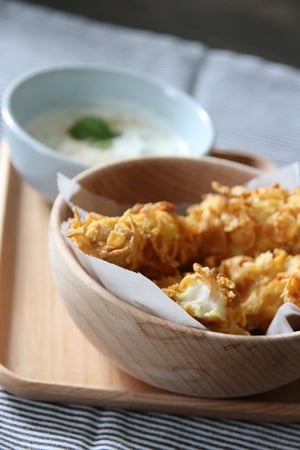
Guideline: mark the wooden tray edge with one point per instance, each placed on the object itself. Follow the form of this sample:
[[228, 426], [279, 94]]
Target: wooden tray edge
[[234, 409], [241, 409]]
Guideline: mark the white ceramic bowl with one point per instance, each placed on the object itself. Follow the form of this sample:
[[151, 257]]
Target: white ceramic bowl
[[58, 87]]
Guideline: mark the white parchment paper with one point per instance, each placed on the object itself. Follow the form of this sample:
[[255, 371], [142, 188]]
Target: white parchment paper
[[138, 290]]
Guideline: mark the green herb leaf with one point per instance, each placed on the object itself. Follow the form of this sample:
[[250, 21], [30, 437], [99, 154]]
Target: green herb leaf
[[94, 129]]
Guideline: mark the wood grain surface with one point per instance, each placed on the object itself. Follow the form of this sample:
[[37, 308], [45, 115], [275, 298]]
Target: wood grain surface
[[180, 359], [44, 356]]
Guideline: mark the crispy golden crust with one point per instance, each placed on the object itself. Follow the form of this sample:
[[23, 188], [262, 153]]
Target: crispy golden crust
[[250, 238], [237, 221], [264, 283], [209, 297], [149, 238]]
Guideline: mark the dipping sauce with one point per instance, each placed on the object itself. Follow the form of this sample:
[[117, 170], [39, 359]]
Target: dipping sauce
[[138, 133]]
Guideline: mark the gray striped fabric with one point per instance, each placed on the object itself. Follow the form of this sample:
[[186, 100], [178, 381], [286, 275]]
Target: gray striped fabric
[[31, 425], [255, 105]]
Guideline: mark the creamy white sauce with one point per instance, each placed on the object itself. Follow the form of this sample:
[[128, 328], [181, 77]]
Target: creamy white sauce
[[141, 133]]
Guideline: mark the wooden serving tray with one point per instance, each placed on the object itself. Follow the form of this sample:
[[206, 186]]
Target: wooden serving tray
[[43, 356]]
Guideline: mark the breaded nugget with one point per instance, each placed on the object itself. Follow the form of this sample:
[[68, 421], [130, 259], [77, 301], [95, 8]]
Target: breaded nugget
[[237, 221], [264, 283], [149, 238], [209, 297]]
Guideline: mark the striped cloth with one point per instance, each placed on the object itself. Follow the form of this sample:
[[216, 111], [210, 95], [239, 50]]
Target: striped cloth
[[31, 425], [256, 107]]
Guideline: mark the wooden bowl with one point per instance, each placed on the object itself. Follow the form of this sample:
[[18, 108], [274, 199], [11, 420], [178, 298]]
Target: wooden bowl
[[248, 158], [175, 358]]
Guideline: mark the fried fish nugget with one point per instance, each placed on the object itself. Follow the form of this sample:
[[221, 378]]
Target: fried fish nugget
[[150, 238], [237, 221], [264, 283], [209, 297]]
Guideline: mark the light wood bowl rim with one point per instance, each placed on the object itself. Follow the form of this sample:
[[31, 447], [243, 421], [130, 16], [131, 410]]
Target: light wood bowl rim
[[58, 240]]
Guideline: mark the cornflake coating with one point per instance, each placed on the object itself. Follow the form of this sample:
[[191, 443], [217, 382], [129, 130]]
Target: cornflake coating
[[264, 283], [244, 244], [237, 221], [150, 238], [209, 297]]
